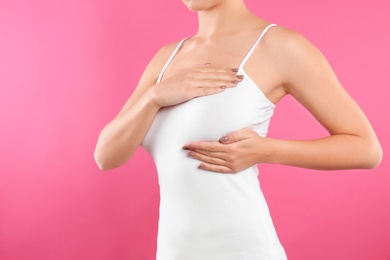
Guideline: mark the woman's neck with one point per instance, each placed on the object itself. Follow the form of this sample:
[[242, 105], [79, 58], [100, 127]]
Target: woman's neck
[[226, 17]]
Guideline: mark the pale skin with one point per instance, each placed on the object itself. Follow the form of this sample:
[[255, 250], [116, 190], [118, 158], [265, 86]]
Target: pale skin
[[284, 63]]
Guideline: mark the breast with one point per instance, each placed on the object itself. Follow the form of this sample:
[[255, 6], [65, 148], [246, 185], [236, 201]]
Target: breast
[[208, 118]]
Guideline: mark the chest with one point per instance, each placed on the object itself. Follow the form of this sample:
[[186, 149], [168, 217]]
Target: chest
[[210, 117], [225, 57], [230, 54]]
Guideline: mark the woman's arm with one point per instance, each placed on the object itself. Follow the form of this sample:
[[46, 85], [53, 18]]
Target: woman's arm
[[308, 77], [122, 136], [311, 81]]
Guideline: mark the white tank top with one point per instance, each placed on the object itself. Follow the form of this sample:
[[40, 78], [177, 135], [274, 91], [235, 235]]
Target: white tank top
[[207, 215]]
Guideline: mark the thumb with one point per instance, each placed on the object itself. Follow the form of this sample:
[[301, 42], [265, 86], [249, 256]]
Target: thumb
[[231, 137], [236, 136]]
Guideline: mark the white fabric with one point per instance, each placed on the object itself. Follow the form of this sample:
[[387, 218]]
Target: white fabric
[[170, 59], [207, 215]]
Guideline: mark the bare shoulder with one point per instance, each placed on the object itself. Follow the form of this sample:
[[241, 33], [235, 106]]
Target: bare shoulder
[[150, 74], [161, 57], [286, 41], [152, 71], [293, 54]]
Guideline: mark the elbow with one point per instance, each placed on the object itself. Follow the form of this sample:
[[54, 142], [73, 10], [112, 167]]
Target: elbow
[[101, 161], [373, 156], [107, 159]]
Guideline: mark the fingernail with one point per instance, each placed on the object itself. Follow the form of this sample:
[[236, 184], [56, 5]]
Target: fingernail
[[184, 147], [235, 69], [223, 87], [224, 139], [201, 166], [191, 154], [240, 76], [235, 82]]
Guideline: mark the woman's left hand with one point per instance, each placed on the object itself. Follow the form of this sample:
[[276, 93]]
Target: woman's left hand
[[234, 152]]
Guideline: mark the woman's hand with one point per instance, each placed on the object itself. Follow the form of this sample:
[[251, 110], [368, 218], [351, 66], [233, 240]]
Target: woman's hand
[[200, 80], [233, 153]]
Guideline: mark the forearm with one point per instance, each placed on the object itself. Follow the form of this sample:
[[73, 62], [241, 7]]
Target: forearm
[[122, 136], [335, 152]]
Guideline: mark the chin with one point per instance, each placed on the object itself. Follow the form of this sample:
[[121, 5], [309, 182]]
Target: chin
[[200, 5]]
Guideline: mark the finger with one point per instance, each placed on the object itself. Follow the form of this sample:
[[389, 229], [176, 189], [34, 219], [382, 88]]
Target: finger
[[208, 159], [205, 146], [220, 155], [207, 67], [197, 83], [209, 91], [214, 168], [206, 76], [212, 80], [215, 84], [212, 83], [224, 75]]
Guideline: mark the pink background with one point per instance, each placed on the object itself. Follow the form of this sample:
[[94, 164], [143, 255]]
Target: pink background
[[67, 67]]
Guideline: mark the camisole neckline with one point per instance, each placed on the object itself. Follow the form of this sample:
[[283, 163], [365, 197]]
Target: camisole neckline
[[240, 67]]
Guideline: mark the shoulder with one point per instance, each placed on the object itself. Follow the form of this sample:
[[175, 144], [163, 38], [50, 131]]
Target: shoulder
[[156, 64], [291, 52], [286, 39], [288, 43], [161, 57], [151, 73]]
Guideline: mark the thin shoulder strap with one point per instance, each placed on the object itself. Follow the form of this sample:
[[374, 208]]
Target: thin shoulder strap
[[255, 44], [169, 60]]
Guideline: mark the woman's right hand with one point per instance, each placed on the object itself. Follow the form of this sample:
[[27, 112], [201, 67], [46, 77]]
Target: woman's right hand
[[200, 80]]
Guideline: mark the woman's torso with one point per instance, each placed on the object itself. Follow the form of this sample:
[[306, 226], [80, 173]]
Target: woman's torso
[[207, 215]]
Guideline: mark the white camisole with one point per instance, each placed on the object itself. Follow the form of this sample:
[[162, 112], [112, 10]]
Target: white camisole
[[207, 215]]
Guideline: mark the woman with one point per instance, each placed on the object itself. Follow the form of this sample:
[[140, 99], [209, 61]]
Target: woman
[[202, 109]]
